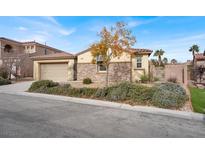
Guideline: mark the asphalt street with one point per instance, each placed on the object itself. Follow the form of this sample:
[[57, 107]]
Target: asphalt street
[[26, 116]]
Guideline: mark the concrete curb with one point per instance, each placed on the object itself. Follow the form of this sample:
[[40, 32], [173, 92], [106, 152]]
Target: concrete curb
[[145, 109]]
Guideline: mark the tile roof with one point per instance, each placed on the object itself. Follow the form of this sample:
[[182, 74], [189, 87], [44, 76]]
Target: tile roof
[[199, 56], [139, 51], [62, 55], [131, 50]]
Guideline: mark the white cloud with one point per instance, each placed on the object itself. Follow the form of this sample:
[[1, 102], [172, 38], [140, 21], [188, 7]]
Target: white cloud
[[39, 38], [66, 32], [134, 23], [21, 28], [52, 20], [44, 28]]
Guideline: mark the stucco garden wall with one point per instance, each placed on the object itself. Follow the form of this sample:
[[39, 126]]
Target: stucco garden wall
[[178, 71]]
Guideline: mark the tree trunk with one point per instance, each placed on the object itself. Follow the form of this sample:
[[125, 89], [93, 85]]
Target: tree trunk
[[160, 61], [193, 57], [107, 74]]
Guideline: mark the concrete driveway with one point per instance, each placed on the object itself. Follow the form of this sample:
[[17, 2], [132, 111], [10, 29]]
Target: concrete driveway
[[55, 116], [17, 87]]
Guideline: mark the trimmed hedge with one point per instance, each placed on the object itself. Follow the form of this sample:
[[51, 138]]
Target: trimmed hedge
[[4, 81]]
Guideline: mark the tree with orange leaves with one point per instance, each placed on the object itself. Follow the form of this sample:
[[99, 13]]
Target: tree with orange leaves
[[112, 43]]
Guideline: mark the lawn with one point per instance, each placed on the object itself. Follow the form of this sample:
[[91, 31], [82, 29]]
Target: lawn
[[198, 99]]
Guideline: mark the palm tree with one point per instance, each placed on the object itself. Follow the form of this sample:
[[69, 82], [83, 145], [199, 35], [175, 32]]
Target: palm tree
[[159, 54], [173, 61], [194, 49], [165, 60]]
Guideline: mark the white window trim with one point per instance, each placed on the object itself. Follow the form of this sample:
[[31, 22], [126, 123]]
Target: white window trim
[[138, 62]]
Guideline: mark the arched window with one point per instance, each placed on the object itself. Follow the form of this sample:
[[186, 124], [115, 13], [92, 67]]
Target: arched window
[[7, 48]]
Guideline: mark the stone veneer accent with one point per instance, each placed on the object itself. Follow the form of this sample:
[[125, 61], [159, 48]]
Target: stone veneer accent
[[119, 71]]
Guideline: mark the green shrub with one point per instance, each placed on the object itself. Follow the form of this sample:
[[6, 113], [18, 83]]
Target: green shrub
[[156, 79], [166, 95], [176, 88], [127, 91], [119, 92], [73, 92], [172, 79], [4, 73], [144, 78], [168, 99], [4, 81], [57, 90], [142, 94], [102, 93], [87, 81], [169, 95], [42, 84], [81, 92], [67, 85], [88, 92]]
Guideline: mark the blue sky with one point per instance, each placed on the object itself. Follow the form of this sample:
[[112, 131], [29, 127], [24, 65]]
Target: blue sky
[[73, 34]]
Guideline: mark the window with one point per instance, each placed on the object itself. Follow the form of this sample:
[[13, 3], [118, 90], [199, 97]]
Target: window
[[101, 67], [139, 62], [7, 48], [99, 58]]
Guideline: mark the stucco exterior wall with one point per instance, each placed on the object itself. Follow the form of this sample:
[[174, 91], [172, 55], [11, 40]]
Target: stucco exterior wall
[[16, 48], [138, 72], [41, 50], [0, 53], [36, 67], [30, 48], [25, 50], [200, 63], [87, 57]]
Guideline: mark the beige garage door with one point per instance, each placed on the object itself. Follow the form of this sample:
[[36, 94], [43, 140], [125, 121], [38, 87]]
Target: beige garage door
[[57, 72]]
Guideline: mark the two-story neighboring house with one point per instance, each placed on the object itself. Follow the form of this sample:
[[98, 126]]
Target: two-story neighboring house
[[16, 55], [200, 59]]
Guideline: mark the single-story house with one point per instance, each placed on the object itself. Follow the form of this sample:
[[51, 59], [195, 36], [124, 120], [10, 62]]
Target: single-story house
[[63, 67]]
